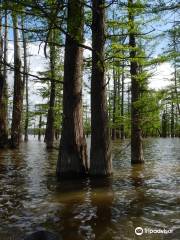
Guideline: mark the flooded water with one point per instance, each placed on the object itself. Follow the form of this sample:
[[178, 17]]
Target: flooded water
[[146, 196]]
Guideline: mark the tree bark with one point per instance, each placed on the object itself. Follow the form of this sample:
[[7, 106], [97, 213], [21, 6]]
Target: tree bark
[[72, 161], [114, 104], [49, 136], [18, 89], [40, 127], [136, 132], [172, 119], [25, 82], [122, 103], [164, 125], [3, 88], [100, 153]]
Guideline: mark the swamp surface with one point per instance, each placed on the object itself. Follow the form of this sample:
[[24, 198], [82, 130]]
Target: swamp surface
[[147, 195]]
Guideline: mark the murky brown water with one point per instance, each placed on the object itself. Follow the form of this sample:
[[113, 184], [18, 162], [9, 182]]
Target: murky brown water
[[144, 195]]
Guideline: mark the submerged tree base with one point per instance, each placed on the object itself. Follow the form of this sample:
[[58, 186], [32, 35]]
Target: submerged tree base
[[137, 162], [101, 164], [72, 162]]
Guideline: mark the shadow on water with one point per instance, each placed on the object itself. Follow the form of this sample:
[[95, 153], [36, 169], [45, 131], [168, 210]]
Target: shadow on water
[[145, 195]]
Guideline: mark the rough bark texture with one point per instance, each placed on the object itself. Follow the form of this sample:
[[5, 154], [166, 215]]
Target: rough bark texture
[[136, 133], [18, 90], [100, 153], [49, 137], [3, 90], [72, 160]]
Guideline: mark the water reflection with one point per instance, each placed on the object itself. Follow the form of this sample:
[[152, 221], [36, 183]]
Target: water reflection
[[145, 195], [102, 198]]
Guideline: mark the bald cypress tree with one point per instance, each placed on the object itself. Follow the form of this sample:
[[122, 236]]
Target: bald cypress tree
[[49, 135], [72, 159], [18, 89], [136, 131], [100, 155]]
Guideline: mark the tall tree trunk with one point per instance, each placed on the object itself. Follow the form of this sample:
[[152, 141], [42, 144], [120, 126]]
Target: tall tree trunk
[[175, 73], [128, 111], [122, 102], [100, 153], [172, 119], [72, 161], [25, 82], [49, 134], [18, 89], [114, 104], [3, 87], [136, 132]]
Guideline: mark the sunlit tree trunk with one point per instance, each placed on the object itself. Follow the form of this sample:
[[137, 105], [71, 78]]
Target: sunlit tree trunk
[[25, 82], [136, 132], [72, 160], [18, 89], [100, 153], [3, 86]]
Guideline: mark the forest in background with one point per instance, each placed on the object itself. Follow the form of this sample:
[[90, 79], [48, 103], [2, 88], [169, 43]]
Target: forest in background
[[105, 93]]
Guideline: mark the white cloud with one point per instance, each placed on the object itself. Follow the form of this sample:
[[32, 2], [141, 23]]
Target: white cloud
[[161, 77], [37, 63]]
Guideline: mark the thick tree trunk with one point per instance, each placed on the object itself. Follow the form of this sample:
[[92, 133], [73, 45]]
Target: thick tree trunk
[[72, 160], [136, 132], [49, 136], [100, 154], [3, 89], [18, 90]]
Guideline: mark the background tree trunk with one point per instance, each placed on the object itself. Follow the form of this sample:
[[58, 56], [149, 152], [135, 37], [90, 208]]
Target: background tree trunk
[[25, 82], [114, 103], [18, 89], [164, 124], [40, 127], [122, 102], [100, 153], [49, 136], [136, 133], [3, 87], [73, 152]]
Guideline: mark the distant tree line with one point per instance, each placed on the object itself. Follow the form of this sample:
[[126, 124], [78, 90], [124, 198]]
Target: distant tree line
[[120, 37]]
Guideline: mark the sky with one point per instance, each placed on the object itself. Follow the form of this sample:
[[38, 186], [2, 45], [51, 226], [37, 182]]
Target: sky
[[161, 74], [38, 63]]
